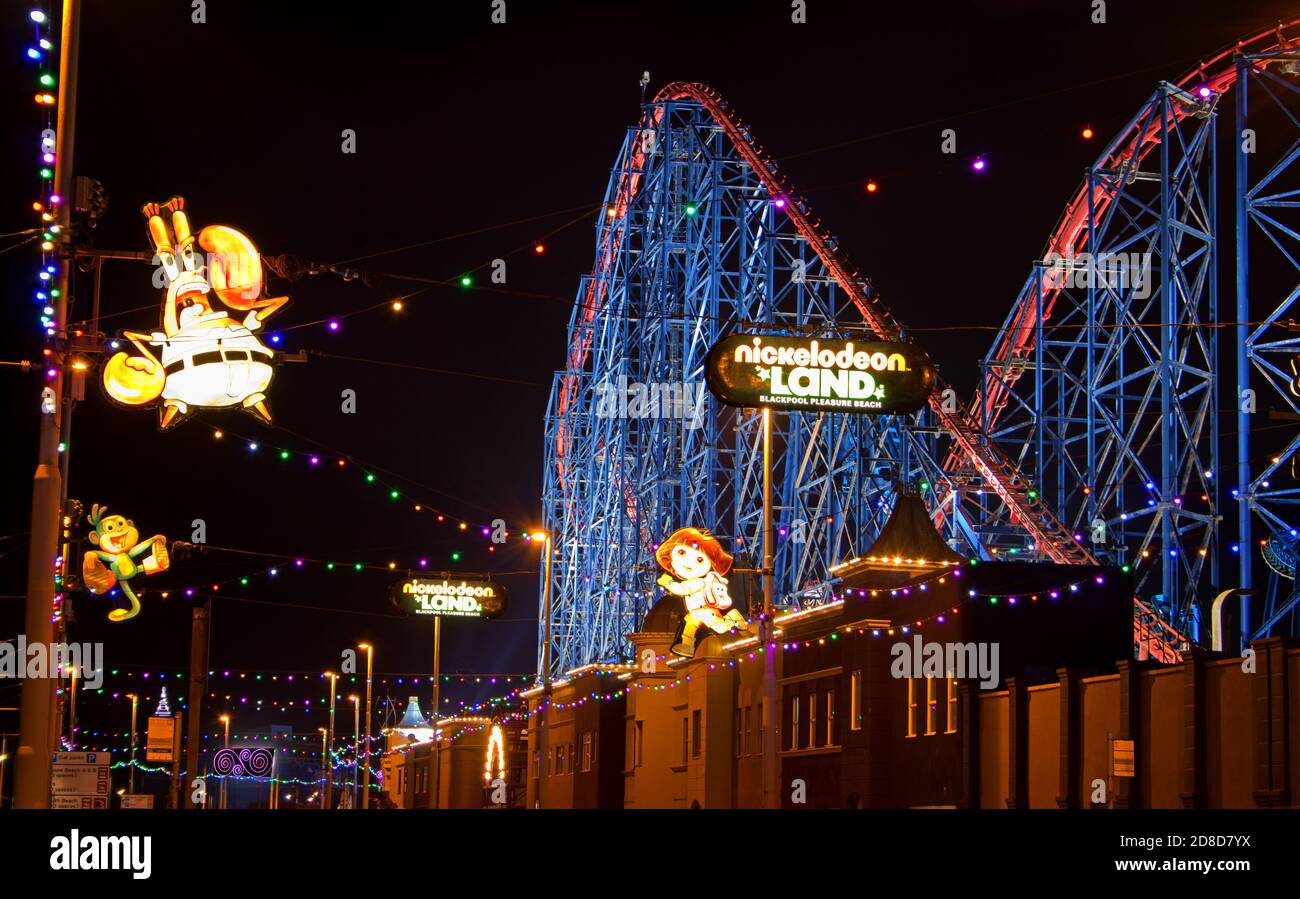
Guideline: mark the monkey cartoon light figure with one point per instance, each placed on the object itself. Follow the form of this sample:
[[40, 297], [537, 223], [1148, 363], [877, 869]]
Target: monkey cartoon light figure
[[209, 360], [117, 558], [696, 564]]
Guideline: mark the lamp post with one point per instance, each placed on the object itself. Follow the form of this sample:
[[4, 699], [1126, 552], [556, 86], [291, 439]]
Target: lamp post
[[225, 719], [329, 766], [370, 672], [135, 704], [543, 736], [323, 737], [356, 744], [72, 706]]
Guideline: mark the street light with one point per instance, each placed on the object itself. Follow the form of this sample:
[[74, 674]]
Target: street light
[[356, 744], [225, 719], [135, 704], [543, 730], [323, 737], [370, 671], [329, 766]]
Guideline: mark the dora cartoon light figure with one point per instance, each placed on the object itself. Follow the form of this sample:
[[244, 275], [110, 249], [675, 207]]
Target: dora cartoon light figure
[[696, 564], [114, 563]]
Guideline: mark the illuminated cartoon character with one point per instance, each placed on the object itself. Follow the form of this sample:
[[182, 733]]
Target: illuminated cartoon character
[[208, 358], [696, 564], [117, 558]]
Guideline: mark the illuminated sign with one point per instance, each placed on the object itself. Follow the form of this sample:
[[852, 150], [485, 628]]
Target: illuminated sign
[[465, 597], [119, 556], [203, 358], [805, 374], [245, 762], [695, 563], [496, 752]]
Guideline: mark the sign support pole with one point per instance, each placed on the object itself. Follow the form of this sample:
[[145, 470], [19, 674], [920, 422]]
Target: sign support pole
[[198, 689], [766, 626], [437, 658], [176, 761]]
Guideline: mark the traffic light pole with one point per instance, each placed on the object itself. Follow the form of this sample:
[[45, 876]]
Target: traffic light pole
[[37, 721]]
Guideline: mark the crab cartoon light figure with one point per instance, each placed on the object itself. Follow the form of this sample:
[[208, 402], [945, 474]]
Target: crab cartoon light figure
[[206, 358]]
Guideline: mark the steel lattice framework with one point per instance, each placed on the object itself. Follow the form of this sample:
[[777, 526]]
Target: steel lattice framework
[[1107, 384], [1094, 436]]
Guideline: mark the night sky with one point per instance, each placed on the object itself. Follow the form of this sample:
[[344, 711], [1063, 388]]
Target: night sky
[[477, 141]]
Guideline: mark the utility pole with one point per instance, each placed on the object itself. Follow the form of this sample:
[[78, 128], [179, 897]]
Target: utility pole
[[225, 719], [37, 720], [198, 689], [767, 628]]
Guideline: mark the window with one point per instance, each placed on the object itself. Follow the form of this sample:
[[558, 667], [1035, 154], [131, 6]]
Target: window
[[855, 700], [570, 757], [931, 706], [740, 732], [760, 707], [638, 745], [749, 733], [537, 766], [911, 707], [794, 723], [830, 717], [812, 720], [686, 739], [588, 750], [696, 735], [952, 706]]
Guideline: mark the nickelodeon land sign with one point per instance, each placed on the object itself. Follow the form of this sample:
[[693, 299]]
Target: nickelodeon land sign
[[813, 375], [448, 597]]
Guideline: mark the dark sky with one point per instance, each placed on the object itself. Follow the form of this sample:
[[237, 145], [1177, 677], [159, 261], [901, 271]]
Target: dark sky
[[464, 127]]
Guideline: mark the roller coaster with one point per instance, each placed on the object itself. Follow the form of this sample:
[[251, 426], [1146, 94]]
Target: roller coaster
[[1095, 435]]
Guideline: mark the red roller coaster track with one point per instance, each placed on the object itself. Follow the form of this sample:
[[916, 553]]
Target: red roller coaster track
[[970, 445], [1016, 343]]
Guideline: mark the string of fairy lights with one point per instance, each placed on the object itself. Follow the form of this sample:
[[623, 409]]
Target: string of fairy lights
[[496, 531], [43, 57]]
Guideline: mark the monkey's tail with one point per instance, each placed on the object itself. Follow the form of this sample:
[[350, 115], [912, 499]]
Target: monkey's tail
[[126, 614]]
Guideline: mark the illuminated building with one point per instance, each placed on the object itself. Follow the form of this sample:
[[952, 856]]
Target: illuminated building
[[1066, 720]]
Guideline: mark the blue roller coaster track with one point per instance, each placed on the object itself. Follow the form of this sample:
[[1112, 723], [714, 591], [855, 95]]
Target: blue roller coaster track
[[1095, 434]]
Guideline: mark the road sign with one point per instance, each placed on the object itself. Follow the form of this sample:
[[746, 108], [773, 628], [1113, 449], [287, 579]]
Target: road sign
[[82, 758], [79, 780], [160, 740], [79, 802], [137, 800]]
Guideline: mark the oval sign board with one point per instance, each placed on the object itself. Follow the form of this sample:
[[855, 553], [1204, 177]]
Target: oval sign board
[[812, 374], [462, 597]]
